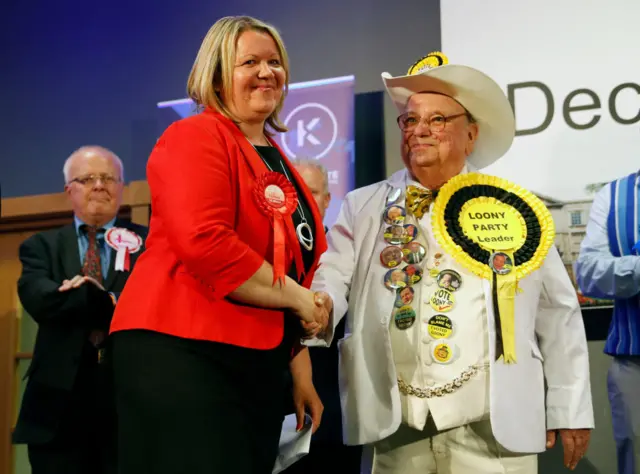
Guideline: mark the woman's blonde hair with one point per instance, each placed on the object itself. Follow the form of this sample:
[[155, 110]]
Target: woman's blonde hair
[[211, 76]]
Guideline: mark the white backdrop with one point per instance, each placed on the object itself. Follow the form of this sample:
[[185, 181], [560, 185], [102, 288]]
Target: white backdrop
[[566, 45]]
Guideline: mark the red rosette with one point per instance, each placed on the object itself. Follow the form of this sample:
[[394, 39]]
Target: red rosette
[[277, 199]]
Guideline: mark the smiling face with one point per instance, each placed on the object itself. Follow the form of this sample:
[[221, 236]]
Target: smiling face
[[258, 77], [423, 148]]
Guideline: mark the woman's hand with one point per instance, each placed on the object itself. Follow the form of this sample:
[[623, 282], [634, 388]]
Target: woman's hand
[[306, 400], [310, 330], [305, 397]]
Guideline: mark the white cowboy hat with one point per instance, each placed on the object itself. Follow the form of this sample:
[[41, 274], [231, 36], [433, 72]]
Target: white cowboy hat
[[475, 91]]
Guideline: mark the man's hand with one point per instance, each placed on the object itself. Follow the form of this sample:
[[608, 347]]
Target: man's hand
[[77, 281], [324, 303], [574, 442], [323, 307]]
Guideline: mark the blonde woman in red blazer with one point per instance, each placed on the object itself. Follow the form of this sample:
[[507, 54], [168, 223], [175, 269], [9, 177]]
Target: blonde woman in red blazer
[[212, 315]]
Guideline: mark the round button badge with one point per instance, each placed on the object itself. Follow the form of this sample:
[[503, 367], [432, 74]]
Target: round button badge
[[396, 278], [442, 300], [405, 317], [410, 233], [413, 252], [500, 263], [449, 280], [404, 296], [443, 352], [414, 274], [394, 235], [394, 215], [274, 196], [391, 256], [440, 326], [394, 195]]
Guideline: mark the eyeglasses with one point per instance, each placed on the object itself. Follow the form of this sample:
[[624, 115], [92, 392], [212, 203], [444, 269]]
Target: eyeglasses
[[93, 178], [408, 121]]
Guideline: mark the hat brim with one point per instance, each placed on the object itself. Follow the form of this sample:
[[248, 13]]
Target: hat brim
[[475, 91]]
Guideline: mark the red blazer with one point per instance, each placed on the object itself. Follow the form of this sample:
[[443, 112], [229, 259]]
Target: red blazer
[[206, 237]]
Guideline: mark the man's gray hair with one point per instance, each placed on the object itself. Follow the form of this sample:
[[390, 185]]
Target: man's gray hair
[[316, 165], [67, 164]]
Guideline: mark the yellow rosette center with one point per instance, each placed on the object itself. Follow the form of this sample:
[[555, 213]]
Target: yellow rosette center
[[498, 227], [493, 225], [484, 222]]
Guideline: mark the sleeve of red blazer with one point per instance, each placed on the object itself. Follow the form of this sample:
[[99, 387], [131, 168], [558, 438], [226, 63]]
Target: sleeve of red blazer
[[194, 194]]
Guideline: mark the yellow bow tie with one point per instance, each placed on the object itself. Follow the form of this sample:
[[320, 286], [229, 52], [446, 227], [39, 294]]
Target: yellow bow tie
[[419, 200]]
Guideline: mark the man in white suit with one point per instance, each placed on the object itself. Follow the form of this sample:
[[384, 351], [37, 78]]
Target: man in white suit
[[420, 377]]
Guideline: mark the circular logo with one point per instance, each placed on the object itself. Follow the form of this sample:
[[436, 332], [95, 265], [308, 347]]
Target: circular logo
[[120, 238], [395, 279], [413, 252], [391, 257], [274, 196], [404, 317], [395, 234], [414, 273], [439, 326], [394, 215], [500, 263], [442, 300], [442, 352], [449, 280], [313, 130], [410, 233]]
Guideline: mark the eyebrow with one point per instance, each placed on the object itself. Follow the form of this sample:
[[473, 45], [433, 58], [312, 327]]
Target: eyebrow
[[275, 54], [435, 112]]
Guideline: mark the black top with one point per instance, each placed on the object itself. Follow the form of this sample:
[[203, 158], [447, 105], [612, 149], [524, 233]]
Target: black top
[[272, 158], [292, 329]]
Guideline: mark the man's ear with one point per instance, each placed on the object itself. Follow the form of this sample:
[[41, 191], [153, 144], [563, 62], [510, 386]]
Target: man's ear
[[472, 136]]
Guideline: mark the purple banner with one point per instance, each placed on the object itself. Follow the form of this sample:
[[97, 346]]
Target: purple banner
[[320, 118]]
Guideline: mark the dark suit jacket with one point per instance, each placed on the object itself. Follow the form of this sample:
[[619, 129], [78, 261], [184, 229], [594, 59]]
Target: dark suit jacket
[[64, 323]]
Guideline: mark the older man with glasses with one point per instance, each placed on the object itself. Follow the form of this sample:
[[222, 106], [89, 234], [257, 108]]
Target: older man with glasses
[[70, 282], [452, 379]]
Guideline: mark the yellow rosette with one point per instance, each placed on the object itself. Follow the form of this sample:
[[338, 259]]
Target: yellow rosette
[[499, 231]]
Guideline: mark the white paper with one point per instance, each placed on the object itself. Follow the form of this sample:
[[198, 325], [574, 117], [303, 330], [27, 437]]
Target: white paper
[[293, 445]]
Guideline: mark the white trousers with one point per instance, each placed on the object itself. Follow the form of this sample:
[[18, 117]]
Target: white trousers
[[468, 449]]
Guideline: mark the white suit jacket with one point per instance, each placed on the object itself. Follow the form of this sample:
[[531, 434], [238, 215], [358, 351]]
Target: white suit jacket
[[550, 338]]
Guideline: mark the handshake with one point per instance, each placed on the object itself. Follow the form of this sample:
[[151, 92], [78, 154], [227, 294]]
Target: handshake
[[314, 314]]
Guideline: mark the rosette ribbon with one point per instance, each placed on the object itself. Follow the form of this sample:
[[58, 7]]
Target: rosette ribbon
[[277, 199], [477, 216], [124, 242]]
